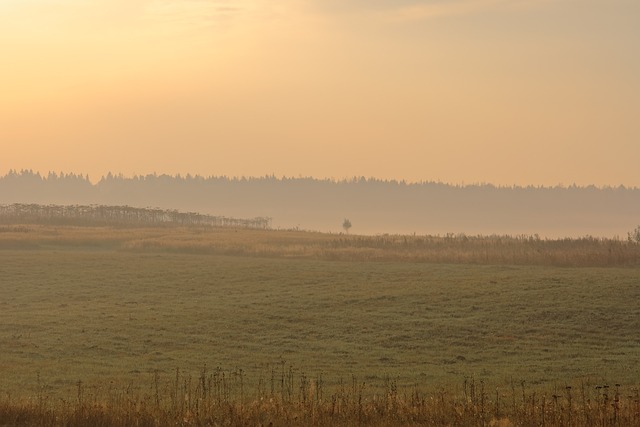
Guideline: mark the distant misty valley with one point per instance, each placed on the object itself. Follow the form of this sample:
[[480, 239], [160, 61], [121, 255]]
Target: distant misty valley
[[372, 206]]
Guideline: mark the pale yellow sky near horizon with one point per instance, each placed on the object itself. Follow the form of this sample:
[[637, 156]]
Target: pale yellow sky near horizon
[[520, 92]]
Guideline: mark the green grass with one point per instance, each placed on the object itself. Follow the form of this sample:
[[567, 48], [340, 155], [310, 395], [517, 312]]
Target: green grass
[[112, 319]]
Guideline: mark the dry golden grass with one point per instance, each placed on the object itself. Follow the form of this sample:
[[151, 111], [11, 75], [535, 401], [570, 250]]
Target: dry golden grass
[[504, 250], [220, 398]]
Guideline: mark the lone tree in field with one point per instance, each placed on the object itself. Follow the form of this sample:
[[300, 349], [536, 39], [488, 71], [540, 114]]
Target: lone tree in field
[[346, 225]]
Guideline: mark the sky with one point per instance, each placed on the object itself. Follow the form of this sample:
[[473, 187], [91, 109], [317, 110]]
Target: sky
[[524, 92]]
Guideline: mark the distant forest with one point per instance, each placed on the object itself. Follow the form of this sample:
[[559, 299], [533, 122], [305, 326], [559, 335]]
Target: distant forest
[[373, 206]]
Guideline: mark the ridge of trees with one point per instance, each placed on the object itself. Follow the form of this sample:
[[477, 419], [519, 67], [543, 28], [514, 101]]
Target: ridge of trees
[[118, 215], [30, 175], [372, 205]]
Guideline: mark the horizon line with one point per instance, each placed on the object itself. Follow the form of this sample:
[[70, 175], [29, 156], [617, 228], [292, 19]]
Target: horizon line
[[352, 179]]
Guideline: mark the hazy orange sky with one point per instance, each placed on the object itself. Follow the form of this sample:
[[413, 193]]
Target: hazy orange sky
[[501, 91]]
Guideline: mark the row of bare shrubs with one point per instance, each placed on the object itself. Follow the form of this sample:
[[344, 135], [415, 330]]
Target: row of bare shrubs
[[520, 250]]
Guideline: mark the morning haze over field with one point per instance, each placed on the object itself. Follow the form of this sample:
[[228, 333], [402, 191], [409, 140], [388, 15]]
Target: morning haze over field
[[319, 212]]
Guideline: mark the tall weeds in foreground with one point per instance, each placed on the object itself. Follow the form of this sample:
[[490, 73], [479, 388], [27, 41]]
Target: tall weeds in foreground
[[221, 398]]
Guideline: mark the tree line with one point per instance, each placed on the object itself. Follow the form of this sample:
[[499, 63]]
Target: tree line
[[373, 206], [19, 213]]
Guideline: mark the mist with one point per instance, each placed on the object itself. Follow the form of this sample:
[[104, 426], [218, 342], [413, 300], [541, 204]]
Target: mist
[[373, 206]]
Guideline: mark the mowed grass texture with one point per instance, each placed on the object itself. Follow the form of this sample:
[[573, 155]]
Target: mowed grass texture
[[115, 319]]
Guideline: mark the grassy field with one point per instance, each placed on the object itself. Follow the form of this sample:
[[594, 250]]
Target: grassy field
[[118, 317]]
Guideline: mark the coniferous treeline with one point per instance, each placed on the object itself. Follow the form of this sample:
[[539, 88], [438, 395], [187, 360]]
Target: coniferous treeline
[[371, 205]]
